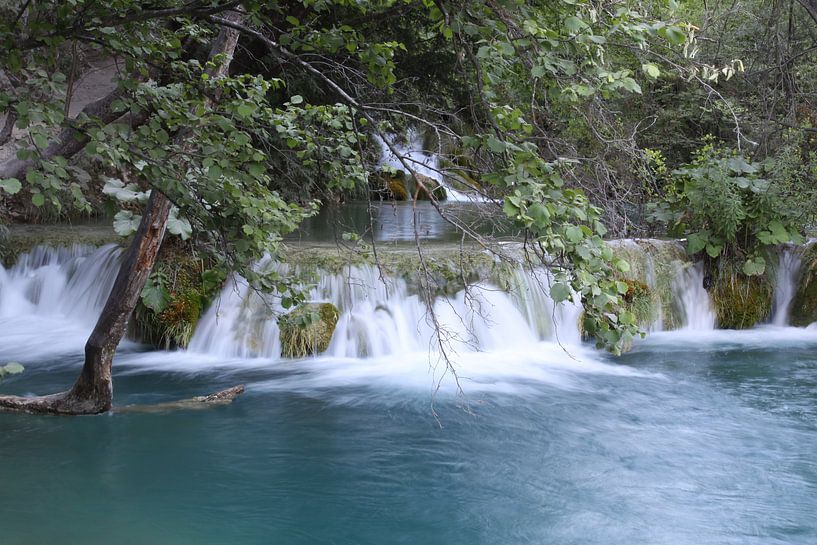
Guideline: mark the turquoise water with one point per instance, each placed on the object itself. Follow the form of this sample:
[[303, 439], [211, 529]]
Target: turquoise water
[[690, 439]]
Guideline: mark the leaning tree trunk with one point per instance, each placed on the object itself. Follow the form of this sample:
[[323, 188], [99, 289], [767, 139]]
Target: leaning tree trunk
[[93, 391]]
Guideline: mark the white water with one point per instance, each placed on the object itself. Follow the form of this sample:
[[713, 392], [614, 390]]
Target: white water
[[788, 272], [418, 160], [381, 318], [693, 299], [51, 298]]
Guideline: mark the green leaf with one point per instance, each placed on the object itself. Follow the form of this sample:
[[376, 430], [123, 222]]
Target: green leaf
[[245, 109], [559, 292], [651, 70], [11, 185], [124, 193], [673, 34], [177, 225], [297, 99], [779, 233], [574, 24], [539, 213], [574, 234], [510, 209], [155, 296], [496, 145], [714, 250], [696, 242], [754, 267], [38, 199], [126, 223]]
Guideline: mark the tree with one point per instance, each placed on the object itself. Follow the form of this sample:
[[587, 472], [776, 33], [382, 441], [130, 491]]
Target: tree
[[244, 156]]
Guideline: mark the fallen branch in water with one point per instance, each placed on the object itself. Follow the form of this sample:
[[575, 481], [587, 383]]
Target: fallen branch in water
[[57, 403], [224, 397]]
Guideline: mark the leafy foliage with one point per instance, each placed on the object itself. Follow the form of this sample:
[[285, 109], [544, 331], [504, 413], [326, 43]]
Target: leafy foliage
[[726, 205]]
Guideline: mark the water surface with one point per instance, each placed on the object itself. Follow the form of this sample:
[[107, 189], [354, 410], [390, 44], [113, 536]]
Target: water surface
[[692, 438]]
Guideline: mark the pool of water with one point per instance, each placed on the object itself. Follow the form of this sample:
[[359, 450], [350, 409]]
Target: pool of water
[[405, 221], [704, 438]]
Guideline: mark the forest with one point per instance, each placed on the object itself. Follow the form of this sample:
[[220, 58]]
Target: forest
[[485, 203]]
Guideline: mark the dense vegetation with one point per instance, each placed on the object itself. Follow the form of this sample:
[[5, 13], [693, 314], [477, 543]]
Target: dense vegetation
[[578, 119]]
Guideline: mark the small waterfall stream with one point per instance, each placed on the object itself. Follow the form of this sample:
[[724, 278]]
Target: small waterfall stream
[[693, 299], [788, 272], [72, 283], [418, 160]]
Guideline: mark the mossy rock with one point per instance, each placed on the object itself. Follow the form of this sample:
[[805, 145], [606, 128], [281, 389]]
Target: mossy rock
[[21, 238], [640, 300], [389, 187], [188, 291], [307, 330], [741, 301], [429, 189], [804, 304]]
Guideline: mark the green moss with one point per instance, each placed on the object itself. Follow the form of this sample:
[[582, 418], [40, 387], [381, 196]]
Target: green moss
[[449, 267], [641, 301], [308, 329], [741, 301], [389, 187], [20, 238], [804, 304], [397, 189], [188, 294]]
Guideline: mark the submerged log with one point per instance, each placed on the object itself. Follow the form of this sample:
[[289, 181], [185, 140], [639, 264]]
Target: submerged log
[[62, 404], [224, 397]]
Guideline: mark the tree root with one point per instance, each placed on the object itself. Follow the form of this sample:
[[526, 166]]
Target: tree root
[[66, 403]]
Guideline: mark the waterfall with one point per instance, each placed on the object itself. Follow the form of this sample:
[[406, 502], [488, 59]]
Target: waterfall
[[693, 299], [788, 272], [67, 283], [418, 160], [51, 298], [61, 292], [380, 317]]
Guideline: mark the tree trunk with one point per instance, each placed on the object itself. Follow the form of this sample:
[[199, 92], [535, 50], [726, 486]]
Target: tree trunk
[[94, 386], [93, 391]]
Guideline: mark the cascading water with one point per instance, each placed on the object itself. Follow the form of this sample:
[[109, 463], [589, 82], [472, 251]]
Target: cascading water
[[381, 318], [418, 160], [693, 299], [70, 283], [788, 272], [52, 297]]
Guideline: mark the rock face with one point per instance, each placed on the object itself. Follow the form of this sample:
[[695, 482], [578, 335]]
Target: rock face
[[307, 330], [804, 304]]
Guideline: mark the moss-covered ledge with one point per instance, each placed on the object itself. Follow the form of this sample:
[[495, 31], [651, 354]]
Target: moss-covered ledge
[[17, 239]]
